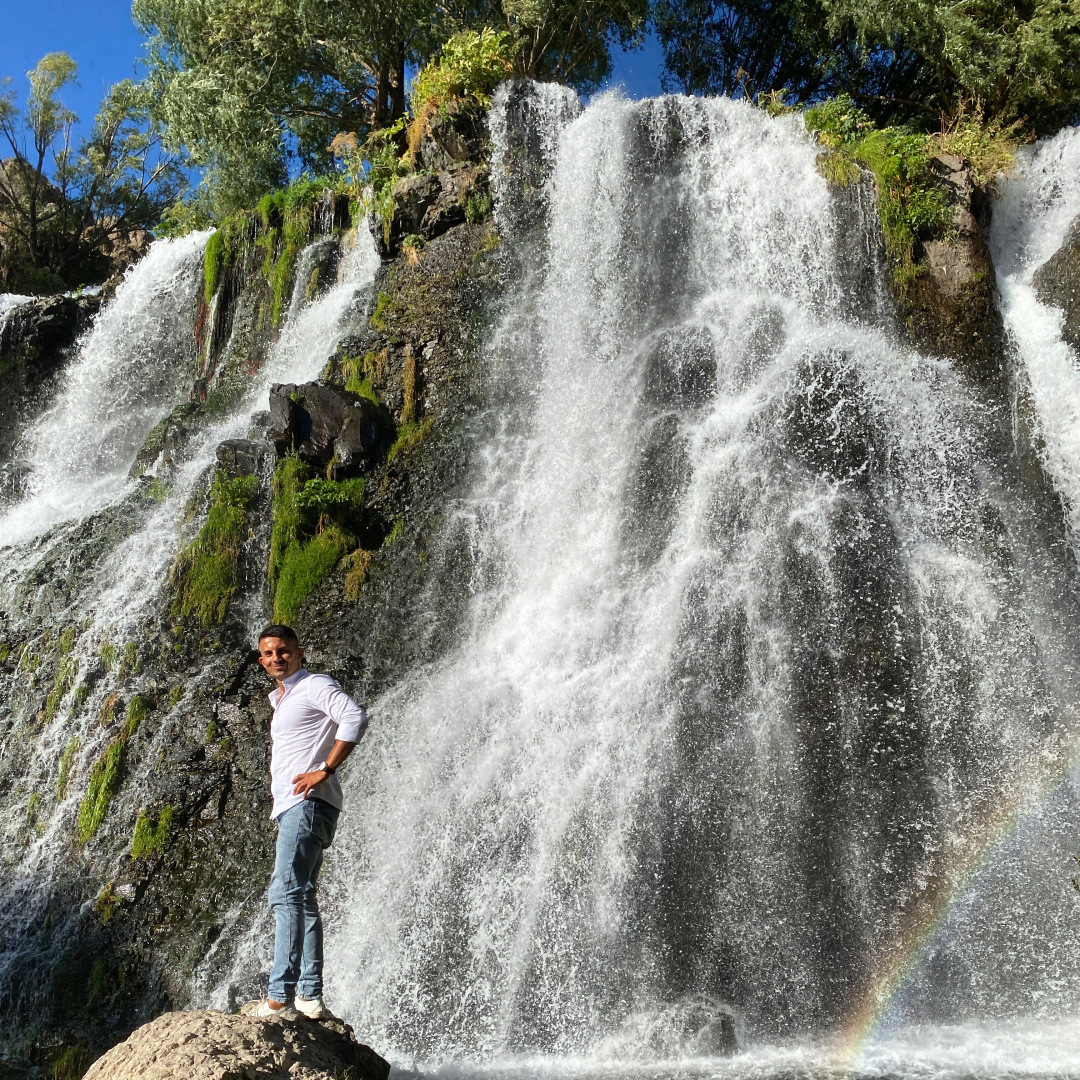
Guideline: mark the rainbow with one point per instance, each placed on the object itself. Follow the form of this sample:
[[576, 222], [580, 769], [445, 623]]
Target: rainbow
[[1021, 796]]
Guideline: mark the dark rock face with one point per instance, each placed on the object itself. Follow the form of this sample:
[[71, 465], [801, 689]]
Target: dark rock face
[[36, 340], [951, 308], [240, 457], [329, 426], [450, 138], [1057, 282], [428, 206], [167, 439]]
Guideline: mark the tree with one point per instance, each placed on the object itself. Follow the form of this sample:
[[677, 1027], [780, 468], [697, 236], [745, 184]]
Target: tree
[[62, 208], [246, 85], [923, 60]]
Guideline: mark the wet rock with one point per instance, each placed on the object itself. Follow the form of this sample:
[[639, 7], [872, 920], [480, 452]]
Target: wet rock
[[450, 137], [329, 426], [13, 480], [680, 371], [951, 308], [240, 457], [1057, 282], [207, 1045], [167, 439]]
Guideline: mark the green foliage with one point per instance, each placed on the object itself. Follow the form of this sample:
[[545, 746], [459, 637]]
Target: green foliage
[[67, 639], [397, 531], [151, 835], [108, 655], [911, 202], [382, 306], [137, 711], [478, 207], [183, 217], [204, 574], [82, 692], [304, 568], [66, 758], [64, 203], [33, 808], [175, 694], [105, 776], [469, 67], [213, 263], [410, 435], [130, 664], [107, 904], [71, 1064], [102, 978], [285, 514], [66, 673]]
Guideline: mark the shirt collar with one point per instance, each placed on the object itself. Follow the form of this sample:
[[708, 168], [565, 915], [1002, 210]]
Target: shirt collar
[[278, 693]]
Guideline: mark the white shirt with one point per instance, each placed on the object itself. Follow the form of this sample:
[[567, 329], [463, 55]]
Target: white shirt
[[310, 713]]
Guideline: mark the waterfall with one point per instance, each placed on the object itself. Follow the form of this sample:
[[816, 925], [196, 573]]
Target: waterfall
[[91, 548], [763, 705]]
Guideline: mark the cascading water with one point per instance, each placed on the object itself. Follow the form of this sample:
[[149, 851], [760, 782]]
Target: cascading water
[[767, 649], [103, 573]]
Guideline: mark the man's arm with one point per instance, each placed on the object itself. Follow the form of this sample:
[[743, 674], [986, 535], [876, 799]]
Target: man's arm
[[303, 783]]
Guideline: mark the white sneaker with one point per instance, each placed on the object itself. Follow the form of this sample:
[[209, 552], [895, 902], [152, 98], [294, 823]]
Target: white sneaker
[[313, 1009], [262, 1009]]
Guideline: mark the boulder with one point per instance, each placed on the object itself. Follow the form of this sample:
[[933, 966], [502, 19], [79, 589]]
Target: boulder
[[167, 439], [450, 137], [239, 457], [329, 426], [1057, 283], [207, 1045]]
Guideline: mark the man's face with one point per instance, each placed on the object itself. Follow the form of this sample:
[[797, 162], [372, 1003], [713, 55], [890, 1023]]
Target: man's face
[[279, 658]]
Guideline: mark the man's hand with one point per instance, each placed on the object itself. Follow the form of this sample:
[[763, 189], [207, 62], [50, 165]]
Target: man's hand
[[303, 783]]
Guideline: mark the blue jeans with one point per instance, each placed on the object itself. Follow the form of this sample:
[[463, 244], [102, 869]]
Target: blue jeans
[[304, 832]]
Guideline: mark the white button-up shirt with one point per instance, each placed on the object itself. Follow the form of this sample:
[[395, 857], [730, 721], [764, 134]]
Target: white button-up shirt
[[310, 713]]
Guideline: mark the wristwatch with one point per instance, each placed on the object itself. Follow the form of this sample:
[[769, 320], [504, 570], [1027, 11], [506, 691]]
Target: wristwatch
[[325, 768]]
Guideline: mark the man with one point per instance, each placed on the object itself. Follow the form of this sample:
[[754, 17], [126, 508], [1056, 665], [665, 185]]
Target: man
[[314, 729]]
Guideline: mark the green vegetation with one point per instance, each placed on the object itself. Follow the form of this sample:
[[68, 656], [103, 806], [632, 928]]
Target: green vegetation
[[130, 664], [213, 263], [64, 201], [313, 524], [210, 733], [108, 708], [66, 673], [67, 639], [105, 776], [204, 575], [357, 566], [108, 655], [137, 711], [102, 979], [33, 808], [175, 694], [410, 435], [71, 1064], [397, 531], [151, 835], [66, 758], [108, 903], [82, 692]]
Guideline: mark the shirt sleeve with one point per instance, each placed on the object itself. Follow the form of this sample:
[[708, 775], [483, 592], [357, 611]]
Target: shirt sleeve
[[350, 718]]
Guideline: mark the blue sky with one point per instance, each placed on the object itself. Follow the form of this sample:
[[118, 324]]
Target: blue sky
[[100, 36]]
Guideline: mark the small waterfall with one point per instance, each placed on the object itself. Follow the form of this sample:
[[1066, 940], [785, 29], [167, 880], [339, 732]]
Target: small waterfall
[[133, 366], [761, 645]]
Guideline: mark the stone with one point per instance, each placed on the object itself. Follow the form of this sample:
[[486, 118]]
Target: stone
[[327, 425], [450, 137], [680, 371], [167, 439], [208, 1045], [239, 457], [1057, 283]]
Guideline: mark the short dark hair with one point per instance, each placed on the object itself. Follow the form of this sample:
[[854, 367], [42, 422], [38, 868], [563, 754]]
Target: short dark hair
[[279, 630]]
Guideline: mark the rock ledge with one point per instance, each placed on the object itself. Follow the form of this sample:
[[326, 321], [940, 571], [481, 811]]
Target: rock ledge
[[208, 1045]]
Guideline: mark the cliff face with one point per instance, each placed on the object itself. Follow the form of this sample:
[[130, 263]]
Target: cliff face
[[145, 830]]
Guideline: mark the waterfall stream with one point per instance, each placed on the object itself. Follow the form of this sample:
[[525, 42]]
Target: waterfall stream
[[758, 734]]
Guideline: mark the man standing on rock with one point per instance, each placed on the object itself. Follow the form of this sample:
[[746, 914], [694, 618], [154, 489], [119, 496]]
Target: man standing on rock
[[314, 729]]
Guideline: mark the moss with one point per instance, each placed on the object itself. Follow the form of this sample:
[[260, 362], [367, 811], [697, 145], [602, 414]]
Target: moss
[[108, 708], [33, 808], [150, 836], [104, 781], [912, 203], [157, 490], [397, 530], [285, 514], [5, 651], [108, 655], [130, 664], [67, 639], [82, 692], [281, 276], [108, 902], [66, 673], [137, 711], [204, 575], [175, 694], [382, 307], [304, 568], [71, 1064], [102, 980], [409, 436], [357, 566], [210, 734], [408, 406], [213, 263], [66, 758]]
